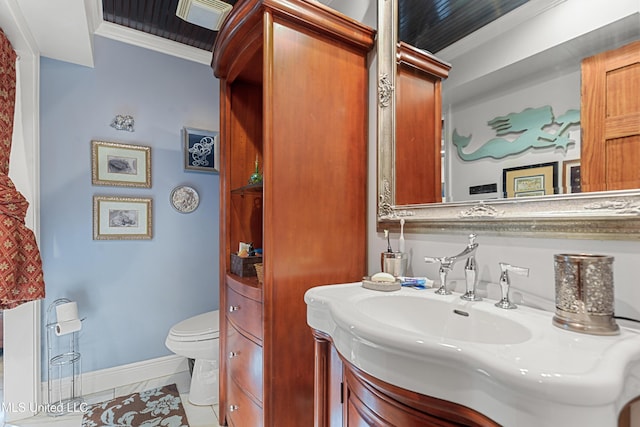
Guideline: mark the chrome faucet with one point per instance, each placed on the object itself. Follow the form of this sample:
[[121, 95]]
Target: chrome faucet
[[471, 275], [505, 283], [447, 263]]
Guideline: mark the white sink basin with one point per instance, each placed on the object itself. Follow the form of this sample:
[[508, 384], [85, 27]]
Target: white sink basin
[[511, 365], [453, 322]]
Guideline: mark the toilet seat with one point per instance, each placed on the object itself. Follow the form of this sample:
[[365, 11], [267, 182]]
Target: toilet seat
[[197, 338], [198, 328]]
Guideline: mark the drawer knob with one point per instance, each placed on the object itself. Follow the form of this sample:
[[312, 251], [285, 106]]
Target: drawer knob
[[233, 354], [233, 408], [233, 308]]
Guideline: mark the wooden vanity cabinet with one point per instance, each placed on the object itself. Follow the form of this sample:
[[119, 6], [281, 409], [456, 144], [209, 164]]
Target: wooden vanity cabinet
[[349, 397], [293, 95], [418, 141]]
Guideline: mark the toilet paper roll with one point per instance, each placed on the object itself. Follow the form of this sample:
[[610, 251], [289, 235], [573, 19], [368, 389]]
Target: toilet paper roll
[[64, 328], [66, 312]]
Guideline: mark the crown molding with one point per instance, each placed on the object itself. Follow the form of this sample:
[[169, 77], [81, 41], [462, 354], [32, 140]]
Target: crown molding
[[151, 42]]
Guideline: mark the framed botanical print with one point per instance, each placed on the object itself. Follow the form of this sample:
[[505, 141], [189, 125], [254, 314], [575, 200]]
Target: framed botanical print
[[121, 165], [121, 218], [530, 180]]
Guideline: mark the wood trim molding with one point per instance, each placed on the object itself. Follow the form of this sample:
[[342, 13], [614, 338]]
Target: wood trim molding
[[421, 60], [322, 371], [313, 16]]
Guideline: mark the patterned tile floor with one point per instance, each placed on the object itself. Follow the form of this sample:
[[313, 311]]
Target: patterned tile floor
[[198, 416]]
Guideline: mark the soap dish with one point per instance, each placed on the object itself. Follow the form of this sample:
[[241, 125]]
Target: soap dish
[[367, 283]]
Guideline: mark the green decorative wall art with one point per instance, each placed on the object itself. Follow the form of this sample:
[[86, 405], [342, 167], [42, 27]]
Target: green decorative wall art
[[528, 128]]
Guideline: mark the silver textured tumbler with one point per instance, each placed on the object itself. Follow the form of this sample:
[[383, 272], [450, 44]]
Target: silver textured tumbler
[[584, 294]]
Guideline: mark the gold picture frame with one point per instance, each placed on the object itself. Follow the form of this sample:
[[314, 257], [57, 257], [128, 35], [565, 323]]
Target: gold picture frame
[[531, 180], [122, 165], [122, 218]]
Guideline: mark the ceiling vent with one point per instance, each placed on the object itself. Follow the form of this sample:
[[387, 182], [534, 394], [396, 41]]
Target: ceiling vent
[[204, 13]]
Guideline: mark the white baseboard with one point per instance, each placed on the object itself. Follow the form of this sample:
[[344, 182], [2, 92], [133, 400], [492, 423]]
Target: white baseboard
[[113, 378]]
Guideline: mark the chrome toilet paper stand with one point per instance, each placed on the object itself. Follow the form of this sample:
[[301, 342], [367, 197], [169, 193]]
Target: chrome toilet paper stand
[[64, 376]]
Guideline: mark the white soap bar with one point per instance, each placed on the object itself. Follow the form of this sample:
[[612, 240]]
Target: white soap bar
[[383, 277]]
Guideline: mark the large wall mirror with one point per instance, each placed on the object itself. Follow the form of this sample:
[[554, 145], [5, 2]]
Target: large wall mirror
[[520, 72]]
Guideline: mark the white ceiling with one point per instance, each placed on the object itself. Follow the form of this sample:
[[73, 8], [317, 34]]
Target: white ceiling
[[541, 39], [63, 29]]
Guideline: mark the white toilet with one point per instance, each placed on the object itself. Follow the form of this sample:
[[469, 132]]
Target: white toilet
[[198, 338]]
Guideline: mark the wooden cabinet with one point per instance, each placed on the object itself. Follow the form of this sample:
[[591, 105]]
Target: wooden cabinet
[[243, 356], [242, 410], [293, 96], [610, 116], [367, 401], [418, 126]]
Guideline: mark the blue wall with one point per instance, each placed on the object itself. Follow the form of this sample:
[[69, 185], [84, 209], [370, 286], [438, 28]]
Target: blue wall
[[131, 292]]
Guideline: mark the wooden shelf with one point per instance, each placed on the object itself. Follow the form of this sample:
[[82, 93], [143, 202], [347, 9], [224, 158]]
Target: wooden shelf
[[250, 188]]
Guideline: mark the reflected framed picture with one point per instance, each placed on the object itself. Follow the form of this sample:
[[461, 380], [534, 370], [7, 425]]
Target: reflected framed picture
[[121, 165], [531, 180], [201, 150], [121, 218], [571, 176]]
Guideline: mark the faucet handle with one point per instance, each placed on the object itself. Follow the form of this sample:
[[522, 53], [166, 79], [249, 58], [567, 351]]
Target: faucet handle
[[472, 239], [505, 283], [446, 264], [506, 268], [471, 281]]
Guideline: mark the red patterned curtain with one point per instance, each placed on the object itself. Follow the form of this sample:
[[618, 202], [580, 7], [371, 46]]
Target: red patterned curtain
[[21, 278]]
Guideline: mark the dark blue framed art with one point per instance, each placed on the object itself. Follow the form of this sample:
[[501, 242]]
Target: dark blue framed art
[[201, 150]]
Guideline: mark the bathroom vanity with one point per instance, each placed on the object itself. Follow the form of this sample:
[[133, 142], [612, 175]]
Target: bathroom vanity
[[348, 396], [293, 99], [411, 357]]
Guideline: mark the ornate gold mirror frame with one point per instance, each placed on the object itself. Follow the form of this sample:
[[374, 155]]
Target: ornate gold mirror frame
[[599, 215]]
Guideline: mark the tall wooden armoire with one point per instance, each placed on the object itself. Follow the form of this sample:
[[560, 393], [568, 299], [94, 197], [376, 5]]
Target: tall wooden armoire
[[610, 119], [418, 126], [293, 98]]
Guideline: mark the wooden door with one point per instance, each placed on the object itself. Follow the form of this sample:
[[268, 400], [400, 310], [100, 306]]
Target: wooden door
[[610, 115]]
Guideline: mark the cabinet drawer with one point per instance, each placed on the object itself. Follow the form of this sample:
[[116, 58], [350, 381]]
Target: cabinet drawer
[[241, 410], [244, 362], [244, 313]]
